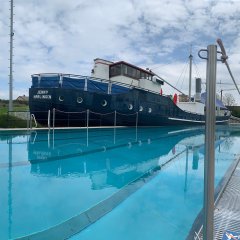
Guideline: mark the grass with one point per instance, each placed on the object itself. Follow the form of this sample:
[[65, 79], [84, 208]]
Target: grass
[[8, 121]]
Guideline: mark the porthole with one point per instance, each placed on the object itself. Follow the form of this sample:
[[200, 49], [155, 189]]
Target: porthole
[[140, 109], [149, 110], [79, 100], [104, 103], [61, 98], [130, 106]]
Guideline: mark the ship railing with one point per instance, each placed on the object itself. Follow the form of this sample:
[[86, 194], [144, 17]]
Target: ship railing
[[83, 78]]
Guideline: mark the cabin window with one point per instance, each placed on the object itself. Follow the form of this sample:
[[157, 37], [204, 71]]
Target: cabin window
[[143, 75], [115, 70], [124, 69], [129, 71], [140, 109], [149, 110], [138, 74]]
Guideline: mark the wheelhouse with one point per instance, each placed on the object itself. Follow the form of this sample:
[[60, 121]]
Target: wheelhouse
[[125, 69]]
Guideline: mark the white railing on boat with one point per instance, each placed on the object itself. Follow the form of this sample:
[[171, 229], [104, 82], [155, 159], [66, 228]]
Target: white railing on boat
[[83, 78]]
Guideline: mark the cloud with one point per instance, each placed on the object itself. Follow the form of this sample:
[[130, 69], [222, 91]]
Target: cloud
[[65, 36]]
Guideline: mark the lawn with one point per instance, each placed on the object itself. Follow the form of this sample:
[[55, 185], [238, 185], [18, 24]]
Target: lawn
[[8, 121]]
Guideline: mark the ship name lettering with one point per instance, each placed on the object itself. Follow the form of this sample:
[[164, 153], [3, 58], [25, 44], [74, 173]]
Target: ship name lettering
[[42, 96], [42, 92]]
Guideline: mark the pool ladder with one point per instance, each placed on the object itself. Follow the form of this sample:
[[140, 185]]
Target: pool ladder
[[32, 117]]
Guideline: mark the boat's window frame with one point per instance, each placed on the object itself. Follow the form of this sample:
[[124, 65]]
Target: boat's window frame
[[79, 99], [130, 106], [104, 103], [116, 70], [122, 69], [61, 98]]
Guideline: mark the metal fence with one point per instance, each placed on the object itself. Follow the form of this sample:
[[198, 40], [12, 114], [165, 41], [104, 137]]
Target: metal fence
[[56, 118]]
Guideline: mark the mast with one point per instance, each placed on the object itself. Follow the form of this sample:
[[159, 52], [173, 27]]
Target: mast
[[10, 107], [190, 74]]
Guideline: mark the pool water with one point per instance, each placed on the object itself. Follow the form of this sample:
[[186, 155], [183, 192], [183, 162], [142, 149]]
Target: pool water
[[48, 177]]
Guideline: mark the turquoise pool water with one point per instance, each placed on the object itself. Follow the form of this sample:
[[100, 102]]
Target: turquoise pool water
[[47, 178]]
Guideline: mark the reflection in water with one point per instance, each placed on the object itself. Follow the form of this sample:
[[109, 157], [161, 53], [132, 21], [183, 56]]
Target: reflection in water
[[108, 157], [116, 163], [69, 154], [9, 189]]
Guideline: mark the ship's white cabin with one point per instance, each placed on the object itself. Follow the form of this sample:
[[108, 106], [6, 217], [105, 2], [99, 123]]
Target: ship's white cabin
[[126, 73]]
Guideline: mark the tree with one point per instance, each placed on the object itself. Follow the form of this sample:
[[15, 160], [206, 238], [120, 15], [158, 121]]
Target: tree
[[228, 99]]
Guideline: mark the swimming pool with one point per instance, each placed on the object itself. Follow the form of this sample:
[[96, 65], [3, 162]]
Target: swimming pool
[[49, 177]]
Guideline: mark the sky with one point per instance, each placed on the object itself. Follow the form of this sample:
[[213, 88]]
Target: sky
[[64, 36]]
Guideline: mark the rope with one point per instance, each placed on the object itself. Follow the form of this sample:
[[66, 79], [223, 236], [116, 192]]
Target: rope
[[224, 58], [101, 113], [96, 112], [183, 71], [126, 113], [69, 112]]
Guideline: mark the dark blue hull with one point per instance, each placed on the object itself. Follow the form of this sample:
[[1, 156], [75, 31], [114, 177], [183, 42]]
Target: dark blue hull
[[135, 107]]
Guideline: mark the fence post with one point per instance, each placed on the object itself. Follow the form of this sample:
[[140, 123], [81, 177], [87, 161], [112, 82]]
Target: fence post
[[87, 124], [30, 124], [53, 118], [115, 123], [136, 125], [136, 119], [68, 119], [49, 116], [115, 118], [28, 114]]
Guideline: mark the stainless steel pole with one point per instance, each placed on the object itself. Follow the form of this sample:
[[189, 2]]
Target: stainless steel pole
[[209, 161]]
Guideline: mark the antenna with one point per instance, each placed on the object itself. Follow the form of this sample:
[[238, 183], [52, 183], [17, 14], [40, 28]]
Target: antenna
[[190, 74], [10, 106]]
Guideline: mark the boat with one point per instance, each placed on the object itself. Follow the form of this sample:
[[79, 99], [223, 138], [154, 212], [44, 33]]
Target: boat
[[116, 94]]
